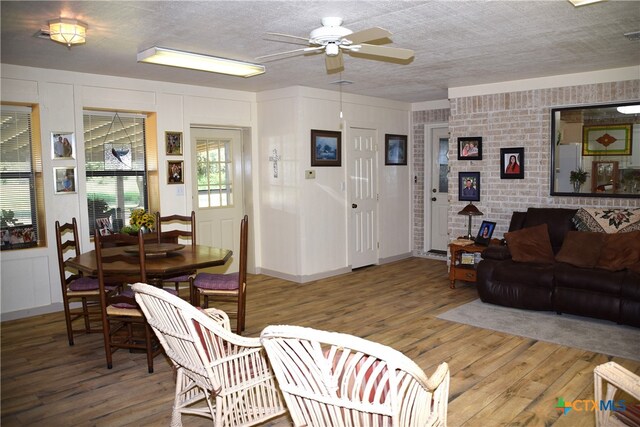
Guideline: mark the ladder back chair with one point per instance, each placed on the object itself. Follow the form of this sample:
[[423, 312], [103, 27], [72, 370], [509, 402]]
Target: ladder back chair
[[226, 286], [182, 228], [334, 379], [220, 375], [123, 323], [75, 286]]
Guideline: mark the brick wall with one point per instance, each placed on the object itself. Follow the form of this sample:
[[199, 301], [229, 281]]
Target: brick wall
[[517, 119]]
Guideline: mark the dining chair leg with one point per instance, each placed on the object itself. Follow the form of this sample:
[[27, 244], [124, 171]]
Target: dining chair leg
[[85, 315], [106, 332], [67, 318]]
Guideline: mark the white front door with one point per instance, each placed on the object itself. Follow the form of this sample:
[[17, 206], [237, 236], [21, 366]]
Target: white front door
[[363, 197], [218, 191], [436, 196]]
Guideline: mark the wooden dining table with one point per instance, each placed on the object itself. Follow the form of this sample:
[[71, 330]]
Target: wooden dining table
[[158, 264]]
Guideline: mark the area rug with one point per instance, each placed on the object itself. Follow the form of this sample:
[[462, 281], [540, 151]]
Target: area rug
[[595, 335]]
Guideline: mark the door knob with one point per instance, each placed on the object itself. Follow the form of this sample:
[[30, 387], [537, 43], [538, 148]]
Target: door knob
[[353, 205], [433, 199]]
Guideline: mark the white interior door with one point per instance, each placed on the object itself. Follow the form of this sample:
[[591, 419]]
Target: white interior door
[[218, 190], [363, 197], [436, 197]]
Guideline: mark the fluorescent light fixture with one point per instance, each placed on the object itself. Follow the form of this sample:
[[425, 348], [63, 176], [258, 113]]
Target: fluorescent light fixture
[[578, 3], [67, 31], [196, 61], [629, 109]]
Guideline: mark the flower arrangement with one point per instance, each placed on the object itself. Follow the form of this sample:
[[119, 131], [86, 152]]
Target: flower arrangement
[[579, 176], [139, 218]]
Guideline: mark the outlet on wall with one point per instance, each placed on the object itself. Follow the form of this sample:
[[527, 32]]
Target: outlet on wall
[[310, 174]]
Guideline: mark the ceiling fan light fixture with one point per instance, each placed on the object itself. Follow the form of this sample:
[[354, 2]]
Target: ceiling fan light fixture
[[332, 49], [196, 61], [68, 31]]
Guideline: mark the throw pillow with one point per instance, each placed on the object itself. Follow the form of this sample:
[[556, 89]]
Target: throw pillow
[[607, 220], [581, 248], [620, 251], [530, 244]]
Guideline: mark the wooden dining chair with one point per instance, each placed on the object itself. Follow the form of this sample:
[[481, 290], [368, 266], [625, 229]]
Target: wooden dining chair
[[176, 229], [232, 286], [220, 375], [75, 286], [123, 323]]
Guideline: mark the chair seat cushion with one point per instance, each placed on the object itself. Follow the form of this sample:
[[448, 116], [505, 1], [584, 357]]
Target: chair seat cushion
[[84, 284], [130, 294], [210, 281], [183, 278]]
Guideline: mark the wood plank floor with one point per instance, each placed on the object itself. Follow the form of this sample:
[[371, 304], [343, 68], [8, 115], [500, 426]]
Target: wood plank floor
[[496, 379]]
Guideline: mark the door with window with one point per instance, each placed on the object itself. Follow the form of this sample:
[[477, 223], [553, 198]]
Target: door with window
[[437, 196], [218, 193]]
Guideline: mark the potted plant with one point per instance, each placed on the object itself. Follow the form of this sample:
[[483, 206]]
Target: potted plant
[[577, 178], [139, 219]]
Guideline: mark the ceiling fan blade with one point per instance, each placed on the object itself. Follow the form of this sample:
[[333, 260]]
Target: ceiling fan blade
[[367, 35], [289, 35], [305, 49], [334, 63], [389, 52]]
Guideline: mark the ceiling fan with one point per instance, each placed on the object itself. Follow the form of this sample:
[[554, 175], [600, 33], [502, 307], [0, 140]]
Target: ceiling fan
[[333, 40]]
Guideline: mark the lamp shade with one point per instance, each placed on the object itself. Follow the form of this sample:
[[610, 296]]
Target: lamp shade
[[67, 31], [470, 209]]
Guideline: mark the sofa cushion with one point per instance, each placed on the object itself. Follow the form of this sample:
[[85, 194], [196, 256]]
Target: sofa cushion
[[620, 251], [581, 248], [607, 220], [530, 244], [559, 221], [594, 280]]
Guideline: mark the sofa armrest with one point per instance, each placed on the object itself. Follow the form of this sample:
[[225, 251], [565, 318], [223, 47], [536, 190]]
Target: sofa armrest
[[496, 252]]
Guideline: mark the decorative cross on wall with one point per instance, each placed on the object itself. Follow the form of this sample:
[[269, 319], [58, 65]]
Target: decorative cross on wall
[[275, 159]]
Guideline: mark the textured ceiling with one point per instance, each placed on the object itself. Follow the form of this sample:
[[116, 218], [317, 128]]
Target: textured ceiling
[[456, 43]]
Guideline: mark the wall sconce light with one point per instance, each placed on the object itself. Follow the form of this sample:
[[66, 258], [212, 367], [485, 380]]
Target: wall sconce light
[[196, 61], [67, 31]]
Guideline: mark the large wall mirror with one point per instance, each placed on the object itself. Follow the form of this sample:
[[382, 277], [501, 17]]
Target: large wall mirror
[[596, 150]]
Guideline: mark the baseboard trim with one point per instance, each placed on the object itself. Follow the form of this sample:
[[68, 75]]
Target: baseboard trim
[[395, 258], [35, 311], [304, 279]]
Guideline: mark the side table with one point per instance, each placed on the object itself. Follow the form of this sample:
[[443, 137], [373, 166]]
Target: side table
[[463, 271]]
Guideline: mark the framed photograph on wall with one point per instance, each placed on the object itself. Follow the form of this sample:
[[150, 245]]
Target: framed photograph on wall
[[326, 148], [64, 180], [485, 232], [395, 149], [469, 186], [173, 143], [63, 146], [470, 148], [174, 172], [512, 163]]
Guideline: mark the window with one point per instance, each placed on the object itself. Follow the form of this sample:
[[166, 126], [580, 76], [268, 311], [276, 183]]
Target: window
[[115, 157], [215, 172], [18, 165]]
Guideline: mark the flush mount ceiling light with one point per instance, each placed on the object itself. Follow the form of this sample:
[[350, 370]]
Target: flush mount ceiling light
[[67, 31], [629, 109], [578, 3], [196, 61]]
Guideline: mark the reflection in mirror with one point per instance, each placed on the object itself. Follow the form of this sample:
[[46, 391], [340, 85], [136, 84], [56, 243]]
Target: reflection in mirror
[[601, 142]]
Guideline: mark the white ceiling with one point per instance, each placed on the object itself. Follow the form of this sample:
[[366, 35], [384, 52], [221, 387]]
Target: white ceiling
[[456, 43]]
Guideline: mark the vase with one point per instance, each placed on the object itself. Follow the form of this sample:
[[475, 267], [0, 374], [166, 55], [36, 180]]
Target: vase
[[576, 186]]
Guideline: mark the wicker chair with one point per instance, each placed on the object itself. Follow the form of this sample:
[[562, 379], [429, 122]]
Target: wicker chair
[[182, 228], [616, 378], [232, 286], [333, 379], [220, 375]]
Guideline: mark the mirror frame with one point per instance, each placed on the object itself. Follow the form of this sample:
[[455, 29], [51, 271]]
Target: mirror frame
[[553, 142]]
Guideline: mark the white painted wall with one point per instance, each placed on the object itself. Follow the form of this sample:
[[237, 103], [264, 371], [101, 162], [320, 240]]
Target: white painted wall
[[305, 221], [29, 277]]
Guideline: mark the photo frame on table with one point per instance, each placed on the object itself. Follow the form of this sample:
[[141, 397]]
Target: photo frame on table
[[18, 237], [104, 227], [395, 150], [470, 148], [469, 186], [607, 140], [175, 170], [512, 163], [326, 148], [63, 146], [173, 143], [64, 180], [485, 232]]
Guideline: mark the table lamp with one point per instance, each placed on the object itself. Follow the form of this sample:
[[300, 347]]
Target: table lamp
[[471, 211]]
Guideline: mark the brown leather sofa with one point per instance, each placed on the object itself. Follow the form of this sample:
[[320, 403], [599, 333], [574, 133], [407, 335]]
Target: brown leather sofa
[[557, 286]]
